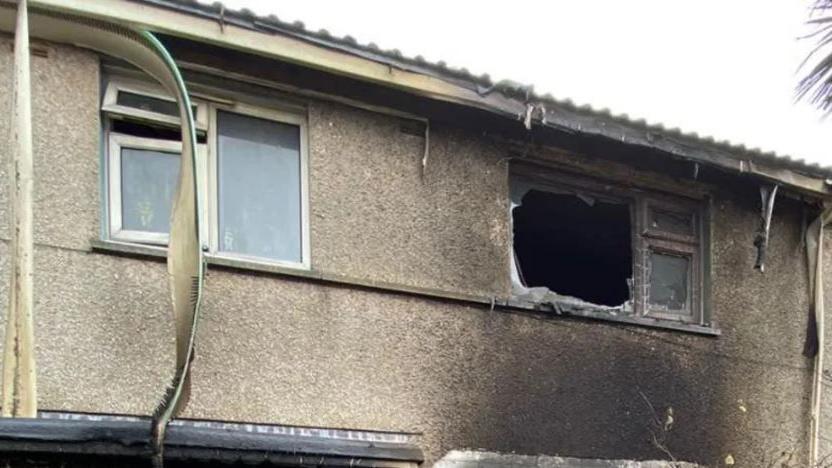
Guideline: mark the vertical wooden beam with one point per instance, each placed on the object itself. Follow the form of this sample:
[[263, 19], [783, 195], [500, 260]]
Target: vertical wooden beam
[[19, 391]]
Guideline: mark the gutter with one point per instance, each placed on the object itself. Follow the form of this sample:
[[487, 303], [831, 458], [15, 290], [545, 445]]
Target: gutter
[[308, 50], [128, 439]]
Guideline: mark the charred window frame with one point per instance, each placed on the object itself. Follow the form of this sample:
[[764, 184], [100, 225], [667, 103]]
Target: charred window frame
[[670, 232], [669, 246]]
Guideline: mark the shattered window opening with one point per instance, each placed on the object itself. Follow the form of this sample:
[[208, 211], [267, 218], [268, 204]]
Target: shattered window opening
[[588, 248], [576, 246]]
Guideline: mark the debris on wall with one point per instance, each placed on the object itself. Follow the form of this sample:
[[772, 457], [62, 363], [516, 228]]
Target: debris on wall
[[767, 196]]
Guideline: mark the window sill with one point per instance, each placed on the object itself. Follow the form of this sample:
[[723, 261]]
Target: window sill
[[145, 250], [128, 249], [601, 314], [160, 253], [253, 266]]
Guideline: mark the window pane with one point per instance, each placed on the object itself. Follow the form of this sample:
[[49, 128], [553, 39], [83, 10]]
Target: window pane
[[669, 281], [674, 223], [148, 183], [259, 187], [149, 103]]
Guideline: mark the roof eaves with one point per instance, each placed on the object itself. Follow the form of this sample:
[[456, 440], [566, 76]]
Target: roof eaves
[[522, 94], [130, 437], [273, 25]]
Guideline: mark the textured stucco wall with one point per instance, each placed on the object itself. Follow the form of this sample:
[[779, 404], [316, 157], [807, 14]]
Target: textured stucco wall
[[290, 351], [374, 217], [65, 133]]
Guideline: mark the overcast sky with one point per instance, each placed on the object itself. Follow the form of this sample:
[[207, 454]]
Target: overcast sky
[[720, 68]]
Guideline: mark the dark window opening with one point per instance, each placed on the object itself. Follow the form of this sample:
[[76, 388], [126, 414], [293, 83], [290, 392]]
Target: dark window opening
[[578, 247], [149, 103], [128, 127]]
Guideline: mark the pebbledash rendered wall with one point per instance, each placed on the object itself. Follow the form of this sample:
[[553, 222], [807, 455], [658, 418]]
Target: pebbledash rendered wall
[[275, 349]]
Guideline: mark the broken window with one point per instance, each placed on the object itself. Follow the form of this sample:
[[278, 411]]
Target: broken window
[[592, 249], [588, 239]]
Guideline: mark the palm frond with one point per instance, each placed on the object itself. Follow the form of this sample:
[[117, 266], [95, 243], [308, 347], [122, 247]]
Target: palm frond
[[816, 84], [821, 5]]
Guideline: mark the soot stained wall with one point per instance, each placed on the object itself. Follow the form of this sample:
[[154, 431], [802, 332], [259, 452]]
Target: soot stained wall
[[280, 350]]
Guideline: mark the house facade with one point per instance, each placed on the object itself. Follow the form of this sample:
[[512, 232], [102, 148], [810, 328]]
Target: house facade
[[403, 261]]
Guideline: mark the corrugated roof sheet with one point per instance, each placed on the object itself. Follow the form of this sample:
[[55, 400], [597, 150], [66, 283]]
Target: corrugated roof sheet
[[483, 83]]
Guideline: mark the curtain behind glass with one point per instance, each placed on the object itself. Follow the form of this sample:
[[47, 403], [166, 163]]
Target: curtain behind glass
[[259, 187]]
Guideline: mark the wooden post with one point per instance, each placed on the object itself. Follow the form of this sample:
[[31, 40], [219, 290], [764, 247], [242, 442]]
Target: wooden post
[[19, 390]]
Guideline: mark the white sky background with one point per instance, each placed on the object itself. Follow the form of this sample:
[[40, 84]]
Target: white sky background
[[722, 68]]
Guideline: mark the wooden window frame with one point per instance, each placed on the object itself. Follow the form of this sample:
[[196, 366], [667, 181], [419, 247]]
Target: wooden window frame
[[673, 244]]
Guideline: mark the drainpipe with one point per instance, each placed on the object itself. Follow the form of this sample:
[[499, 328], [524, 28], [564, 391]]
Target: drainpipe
[[814, 256], [19, 390]]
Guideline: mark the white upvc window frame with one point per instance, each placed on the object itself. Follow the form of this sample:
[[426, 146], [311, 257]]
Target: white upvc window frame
[[115, 145], [110, 104], [207, 162], [118, 141], [213, 180]]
